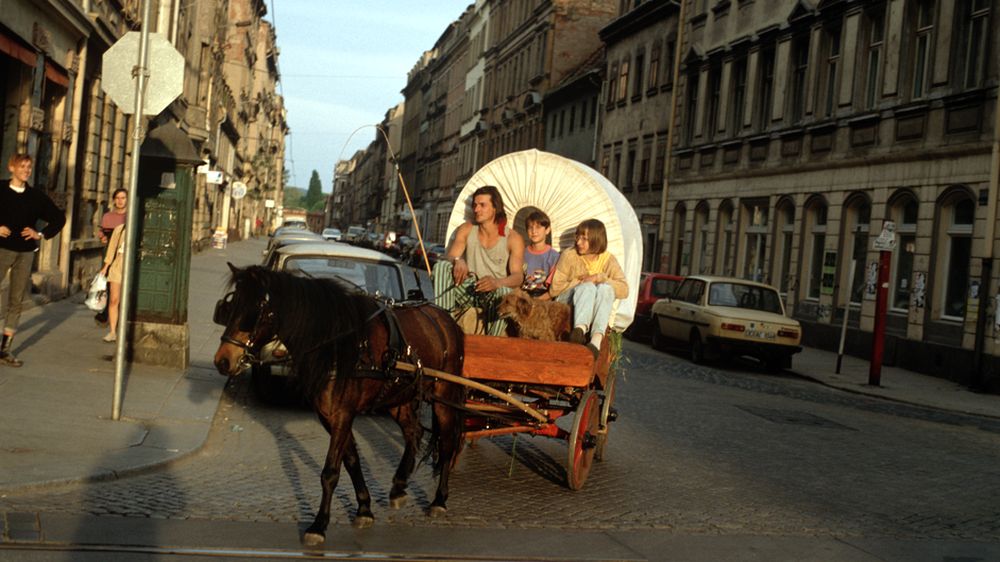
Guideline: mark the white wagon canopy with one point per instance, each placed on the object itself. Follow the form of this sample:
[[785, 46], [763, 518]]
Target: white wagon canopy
[[569, 193]]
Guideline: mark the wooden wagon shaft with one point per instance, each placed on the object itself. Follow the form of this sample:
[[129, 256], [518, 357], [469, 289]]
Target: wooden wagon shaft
[[411, 368]]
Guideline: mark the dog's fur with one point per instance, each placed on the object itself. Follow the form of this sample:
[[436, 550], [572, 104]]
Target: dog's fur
[[536, 319]]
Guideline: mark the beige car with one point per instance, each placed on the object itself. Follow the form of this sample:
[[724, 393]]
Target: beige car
[[729, 317]]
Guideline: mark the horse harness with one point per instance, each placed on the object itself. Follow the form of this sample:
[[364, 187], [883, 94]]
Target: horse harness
[[396, 347]]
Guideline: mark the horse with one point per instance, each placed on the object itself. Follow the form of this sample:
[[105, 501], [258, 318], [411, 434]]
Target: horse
[[344, 344]]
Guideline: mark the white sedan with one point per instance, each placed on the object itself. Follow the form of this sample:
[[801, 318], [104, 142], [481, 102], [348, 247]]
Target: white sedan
[[730, 317]]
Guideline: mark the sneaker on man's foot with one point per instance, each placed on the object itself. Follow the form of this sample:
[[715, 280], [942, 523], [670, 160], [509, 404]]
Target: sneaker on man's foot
[[9, 360], [578, 335]]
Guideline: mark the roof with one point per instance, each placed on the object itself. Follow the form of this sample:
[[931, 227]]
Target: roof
[[335, 249], [721, 279]]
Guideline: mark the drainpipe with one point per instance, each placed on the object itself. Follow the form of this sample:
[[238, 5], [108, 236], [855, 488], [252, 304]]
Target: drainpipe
[[979, 352], [678, 50]]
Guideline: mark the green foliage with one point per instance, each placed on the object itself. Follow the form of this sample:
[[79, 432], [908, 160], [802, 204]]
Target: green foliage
[[294, 197], [314, 199]]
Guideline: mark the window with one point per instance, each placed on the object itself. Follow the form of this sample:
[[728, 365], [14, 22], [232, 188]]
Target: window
[[817, 234], [572, 118], [800, 64], [828, 87], [873, 71], [623, 82], [858, 225], [692, 106], [714, 93], [680, 216], [724, 247], [974, 33], [923, 27], [739, 94], [593, 111], [654, 66], [786, 227], [756, 239], [956, 252], [630, 169], [765, 89], [661, 162], [612, 85], [668, 61], [637, 84], [699, 249], [904, 211], [647, 154]]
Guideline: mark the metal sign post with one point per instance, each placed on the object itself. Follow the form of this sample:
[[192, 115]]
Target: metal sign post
[[167, 85], [885, 243]]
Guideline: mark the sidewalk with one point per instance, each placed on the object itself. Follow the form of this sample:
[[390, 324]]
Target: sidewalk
[[55, 411], [895, 384]]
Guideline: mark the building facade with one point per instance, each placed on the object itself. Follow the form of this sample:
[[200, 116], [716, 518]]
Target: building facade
[[54, 108], [804, 126]]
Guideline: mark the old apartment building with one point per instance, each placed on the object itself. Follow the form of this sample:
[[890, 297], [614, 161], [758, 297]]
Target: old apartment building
[[55, 109], [806, 124]]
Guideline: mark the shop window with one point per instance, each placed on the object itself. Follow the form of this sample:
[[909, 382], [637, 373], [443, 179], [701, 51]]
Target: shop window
[[756, 220], [904, 211], [724, 246], [857, 228], [699, 247], [816, 224], [785, 215], [955, 254]]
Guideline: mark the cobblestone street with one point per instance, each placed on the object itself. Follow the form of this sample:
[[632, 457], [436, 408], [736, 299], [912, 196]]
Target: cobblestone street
[[696, 450]]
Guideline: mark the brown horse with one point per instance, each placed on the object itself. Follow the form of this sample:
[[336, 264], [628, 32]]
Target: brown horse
[[344, 345]]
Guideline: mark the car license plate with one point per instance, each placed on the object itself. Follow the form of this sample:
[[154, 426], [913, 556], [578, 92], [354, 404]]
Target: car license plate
[[759, 334]]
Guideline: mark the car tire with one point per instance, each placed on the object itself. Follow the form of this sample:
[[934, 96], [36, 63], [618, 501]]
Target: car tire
[[656, 339], [268, 388], [697, 348]]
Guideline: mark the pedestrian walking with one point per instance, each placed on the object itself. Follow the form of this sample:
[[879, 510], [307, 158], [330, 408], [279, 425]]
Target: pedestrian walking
[[21, 209], [111, 219], [114, 261]]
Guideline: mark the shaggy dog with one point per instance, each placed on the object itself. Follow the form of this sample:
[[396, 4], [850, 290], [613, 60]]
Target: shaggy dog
[[536, 319]]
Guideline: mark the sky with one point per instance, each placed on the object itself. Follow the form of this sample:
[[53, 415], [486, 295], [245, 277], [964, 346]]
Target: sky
[[343, 64]]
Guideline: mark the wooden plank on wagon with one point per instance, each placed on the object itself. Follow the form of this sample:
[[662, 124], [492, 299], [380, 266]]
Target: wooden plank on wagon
[[520, 360]]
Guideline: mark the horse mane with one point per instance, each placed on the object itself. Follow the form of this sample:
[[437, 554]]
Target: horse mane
[[319, 321]]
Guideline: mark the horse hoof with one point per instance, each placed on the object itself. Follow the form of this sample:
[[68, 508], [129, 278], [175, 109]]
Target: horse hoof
[[397, 503], [313, 539], [363, 521], [437, 511]]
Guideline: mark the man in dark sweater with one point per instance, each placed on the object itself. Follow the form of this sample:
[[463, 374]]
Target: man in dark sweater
[[21, 209]]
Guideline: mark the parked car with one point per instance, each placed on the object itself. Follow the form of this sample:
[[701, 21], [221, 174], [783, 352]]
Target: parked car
[[729, 317], [287, 237], [354, 234], [332, 234], [652, 287], [360, 268], [435, 252]]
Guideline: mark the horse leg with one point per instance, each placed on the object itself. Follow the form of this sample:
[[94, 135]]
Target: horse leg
[[352, 462], [446, 423], [409, 423], [340, 438]]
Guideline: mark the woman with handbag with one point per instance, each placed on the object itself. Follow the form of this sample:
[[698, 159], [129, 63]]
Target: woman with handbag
[[111, 219], [114, 258]]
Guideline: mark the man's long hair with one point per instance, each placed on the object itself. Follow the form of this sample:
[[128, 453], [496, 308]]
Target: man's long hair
[[495, 198]]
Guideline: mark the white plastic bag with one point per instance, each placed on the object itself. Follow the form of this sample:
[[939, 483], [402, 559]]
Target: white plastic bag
[[97, 295]]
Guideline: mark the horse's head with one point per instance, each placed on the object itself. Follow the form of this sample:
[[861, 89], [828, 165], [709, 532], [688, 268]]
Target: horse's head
[[248, 320]]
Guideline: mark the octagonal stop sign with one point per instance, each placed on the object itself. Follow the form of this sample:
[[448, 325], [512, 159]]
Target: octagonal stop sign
[[166, 73]]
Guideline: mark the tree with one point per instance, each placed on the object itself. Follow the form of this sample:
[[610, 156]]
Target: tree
[[314, 199]]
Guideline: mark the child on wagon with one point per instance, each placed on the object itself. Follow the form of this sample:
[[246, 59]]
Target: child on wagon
[[590, 279], [539, 257]]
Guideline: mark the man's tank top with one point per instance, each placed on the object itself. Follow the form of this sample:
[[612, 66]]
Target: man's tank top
[[491, 262]]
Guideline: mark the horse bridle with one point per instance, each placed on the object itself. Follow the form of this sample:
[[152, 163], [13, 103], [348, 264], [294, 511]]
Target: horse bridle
[[223, 309]]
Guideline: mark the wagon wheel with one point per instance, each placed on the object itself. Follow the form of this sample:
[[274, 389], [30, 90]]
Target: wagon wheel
[[607, 416], [583, 440]]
